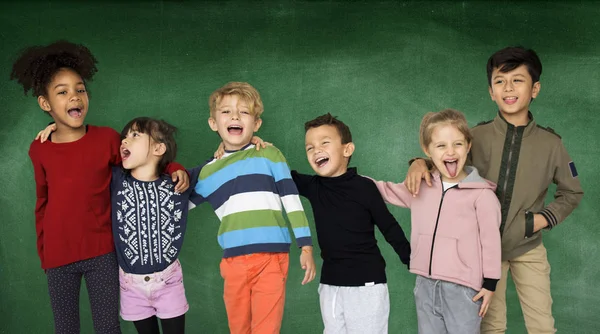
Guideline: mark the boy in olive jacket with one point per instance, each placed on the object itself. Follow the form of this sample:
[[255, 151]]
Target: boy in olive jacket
[[523, 159]]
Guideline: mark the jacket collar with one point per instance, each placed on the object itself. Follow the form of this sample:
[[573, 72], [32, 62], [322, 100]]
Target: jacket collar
[[503, 126]]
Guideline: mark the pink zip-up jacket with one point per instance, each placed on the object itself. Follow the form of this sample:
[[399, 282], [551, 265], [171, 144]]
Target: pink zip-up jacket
[[455, 234]]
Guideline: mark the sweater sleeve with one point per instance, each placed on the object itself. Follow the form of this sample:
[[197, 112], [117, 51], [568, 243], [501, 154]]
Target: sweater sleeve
[[287, 191], [195, 199], [394, 193], [487, 209], [388, 225], [41, 191], [175, 166], [568, 189]]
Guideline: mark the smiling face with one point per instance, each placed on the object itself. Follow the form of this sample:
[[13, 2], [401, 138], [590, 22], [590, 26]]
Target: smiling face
[[512, 91], [66, 100], [234, 122], [448, 150], [325, 152]]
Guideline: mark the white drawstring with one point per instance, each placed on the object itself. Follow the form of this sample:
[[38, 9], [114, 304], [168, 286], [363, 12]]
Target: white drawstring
[[337, 288]]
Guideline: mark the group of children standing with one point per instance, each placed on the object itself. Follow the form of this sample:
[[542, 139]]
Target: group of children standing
[[113, 209]]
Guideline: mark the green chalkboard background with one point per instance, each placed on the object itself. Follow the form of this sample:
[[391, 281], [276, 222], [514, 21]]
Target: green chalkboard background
[[379, 66]]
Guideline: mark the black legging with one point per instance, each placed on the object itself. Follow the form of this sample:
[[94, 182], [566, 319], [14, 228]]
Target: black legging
[[101, 275], [169, 326]]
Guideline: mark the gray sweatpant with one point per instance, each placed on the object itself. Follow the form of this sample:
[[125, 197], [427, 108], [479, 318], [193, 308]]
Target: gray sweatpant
[[445, 307], [355, 309]]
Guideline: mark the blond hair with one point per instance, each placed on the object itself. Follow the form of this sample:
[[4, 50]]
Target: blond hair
[[244, 91], [444, 117]]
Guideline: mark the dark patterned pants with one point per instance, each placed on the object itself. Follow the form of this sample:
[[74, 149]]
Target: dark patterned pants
[[101, 275]]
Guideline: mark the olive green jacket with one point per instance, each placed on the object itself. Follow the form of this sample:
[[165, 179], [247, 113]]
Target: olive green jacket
[[523, 161]]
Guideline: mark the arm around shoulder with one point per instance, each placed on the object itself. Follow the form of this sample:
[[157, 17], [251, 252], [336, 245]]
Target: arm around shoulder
[[288, 192], [393, 193]]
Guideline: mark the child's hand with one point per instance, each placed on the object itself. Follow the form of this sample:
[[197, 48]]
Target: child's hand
[[417, 171], [308, 264], [44, 134], [487, 297], [183, 180], [220, 151], [256, 140], [539, 222]]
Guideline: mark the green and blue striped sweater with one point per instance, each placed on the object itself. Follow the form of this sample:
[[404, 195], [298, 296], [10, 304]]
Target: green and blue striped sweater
[[247, 189]]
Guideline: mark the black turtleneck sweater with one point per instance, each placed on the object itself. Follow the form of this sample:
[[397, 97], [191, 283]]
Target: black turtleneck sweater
[[346, 210]]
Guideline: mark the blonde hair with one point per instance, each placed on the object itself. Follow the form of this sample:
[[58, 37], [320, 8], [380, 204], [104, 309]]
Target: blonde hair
[[444, 117], [243, 90]]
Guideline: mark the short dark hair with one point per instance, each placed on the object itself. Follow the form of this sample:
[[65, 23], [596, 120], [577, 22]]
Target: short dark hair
[[161, 132], [512, 57], [36, 65], [328, 119]]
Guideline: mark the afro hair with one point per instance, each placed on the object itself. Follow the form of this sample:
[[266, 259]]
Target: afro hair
[[37, 65]]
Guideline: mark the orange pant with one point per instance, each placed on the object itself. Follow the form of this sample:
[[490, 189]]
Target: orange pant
[[254, 292]]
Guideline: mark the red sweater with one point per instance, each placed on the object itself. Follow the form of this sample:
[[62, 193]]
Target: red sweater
[[72, 211]]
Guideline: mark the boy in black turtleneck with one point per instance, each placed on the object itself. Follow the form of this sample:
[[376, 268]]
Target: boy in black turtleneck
[[353, 291]]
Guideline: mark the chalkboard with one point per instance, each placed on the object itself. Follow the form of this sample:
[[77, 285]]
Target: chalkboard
[[379, 66]]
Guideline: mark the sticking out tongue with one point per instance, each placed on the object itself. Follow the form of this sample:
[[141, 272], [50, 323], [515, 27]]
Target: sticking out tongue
[[451, 168]]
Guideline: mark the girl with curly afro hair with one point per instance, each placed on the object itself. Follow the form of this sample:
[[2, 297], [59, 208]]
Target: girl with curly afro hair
[[73, 173]]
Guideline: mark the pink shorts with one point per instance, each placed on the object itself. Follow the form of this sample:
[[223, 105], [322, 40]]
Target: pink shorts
[[161, 294]]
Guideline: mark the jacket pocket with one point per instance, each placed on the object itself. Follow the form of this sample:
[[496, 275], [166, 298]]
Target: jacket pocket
[[528, 224], [447, 260]]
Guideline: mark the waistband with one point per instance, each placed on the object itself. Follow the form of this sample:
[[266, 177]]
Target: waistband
[[153, 277]]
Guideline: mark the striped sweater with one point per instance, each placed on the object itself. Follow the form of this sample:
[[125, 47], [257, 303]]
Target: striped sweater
[[247, 188]]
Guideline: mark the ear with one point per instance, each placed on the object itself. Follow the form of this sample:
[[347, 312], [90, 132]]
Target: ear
[[349, 149], [491, 91], [212, 123], [44, 104], [426, 151], [536, 89], [468, 147], [257, 124], [159, 149]]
